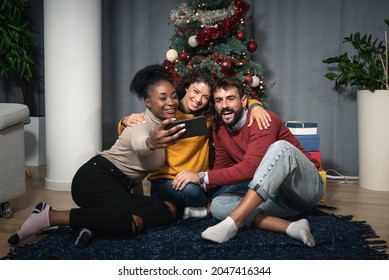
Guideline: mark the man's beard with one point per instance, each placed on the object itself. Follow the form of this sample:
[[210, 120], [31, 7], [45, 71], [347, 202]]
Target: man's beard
[[236, 115]]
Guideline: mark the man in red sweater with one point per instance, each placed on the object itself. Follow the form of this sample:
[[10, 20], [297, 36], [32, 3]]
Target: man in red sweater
[[283, 180]]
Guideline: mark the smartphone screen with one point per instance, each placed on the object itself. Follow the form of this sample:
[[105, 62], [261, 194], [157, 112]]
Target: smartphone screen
[[194, 126]]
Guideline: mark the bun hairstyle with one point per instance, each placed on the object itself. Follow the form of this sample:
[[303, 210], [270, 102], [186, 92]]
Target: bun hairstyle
[[147, 77]]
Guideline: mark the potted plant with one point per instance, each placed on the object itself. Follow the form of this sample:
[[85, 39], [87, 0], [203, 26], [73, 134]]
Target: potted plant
[[17, 64], [16, 42], [367, 71]]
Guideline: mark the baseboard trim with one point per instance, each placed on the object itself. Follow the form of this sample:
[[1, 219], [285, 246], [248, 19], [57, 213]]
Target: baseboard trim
[[57, 186]]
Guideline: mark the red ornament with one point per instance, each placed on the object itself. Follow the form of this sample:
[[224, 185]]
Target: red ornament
[[240, 35], [183, 56], [252, 46], [226, 64], [248, 79]]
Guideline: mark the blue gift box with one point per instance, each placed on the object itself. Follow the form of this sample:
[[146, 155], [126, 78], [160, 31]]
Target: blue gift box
[[302, 128], [311, 143]]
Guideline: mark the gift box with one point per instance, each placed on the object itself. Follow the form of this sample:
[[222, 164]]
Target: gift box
[[301, 128], [311, 143], [317, 156]]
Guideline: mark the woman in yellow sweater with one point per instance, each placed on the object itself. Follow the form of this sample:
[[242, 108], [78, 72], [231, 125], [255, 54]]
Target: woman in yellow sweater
[[195, 94]]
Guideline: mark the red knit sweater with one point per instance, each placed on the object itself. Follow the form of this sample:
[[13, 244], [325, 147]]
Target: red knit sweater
[[238, 154]]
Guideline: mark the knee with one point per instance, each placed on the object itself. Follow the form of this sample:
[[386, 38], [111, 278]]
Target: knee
[[192, 190], [282, 149], [280, 144]]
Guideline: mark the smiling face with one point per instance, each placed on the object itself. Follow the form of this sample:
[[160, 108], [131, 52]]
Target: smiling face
[[229, 105], [196, 97], [162, 100]]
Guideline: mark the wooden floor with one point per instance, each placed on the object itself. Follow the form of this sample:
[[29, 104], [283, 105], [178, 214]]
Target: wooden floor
[[348, 198]]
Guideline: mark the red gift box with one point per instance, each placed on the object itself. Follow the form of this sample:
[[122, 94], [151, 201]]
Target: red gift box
[[317, 156]]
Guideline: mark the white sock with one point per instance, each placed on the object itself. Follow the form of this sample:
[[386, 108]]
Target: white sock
[[301, 231], [194, 212], [221, 232], [38, 220]]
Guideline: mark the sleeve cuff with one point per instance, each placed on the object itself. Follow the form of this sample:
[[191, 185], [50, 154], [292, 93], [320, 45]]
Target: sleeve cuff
[[255, 104]]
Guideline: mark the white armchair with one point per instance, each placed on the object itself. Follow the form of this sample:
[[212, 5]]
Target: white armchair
[[12, 159]]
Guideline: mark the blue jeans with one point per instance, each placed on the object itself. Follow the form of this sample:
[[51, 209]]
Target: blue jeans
[[287, 181], [192, 195]]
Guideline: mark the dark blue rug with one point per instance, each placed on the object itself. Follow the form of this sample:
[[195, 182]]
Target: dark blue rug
[[337, 237]]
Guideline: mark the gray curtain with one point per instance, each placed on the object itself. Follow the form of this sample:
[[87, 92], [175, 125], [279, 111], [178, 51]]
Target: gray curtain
[[135, 34]]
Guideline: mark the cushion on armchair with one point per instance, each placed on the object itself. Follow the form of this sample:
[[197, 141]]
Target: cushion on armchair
[[11, 114]]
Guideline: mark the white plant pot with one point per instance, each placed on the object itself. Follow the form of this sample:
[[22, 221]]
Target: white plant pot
[[373, 136], [35, 141]]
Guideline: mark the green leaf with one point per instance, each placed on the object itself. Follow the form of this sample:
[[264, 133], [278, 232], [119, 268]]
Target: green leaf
[[331, 60], [14, 27], [23, 68], [331, 76], [29, 72]]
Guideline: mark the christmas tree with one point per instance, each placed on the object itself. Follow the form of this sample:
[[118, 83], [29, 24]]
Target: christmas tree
[[213, 34]]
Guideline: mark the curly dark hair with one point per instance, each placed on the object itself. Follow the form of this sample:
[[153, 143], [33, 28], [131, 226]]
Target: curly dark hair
[[147, 77], [197, 75]]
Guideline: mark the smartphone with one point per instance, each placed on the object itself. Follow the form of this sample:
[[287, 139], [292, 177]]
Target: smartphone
[[194, 126]]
